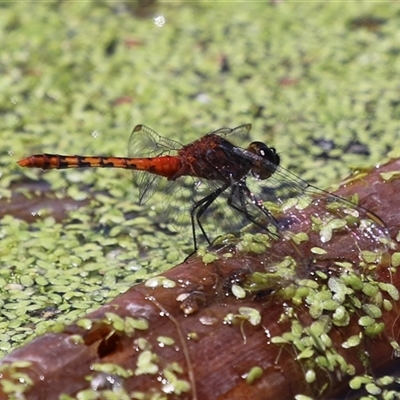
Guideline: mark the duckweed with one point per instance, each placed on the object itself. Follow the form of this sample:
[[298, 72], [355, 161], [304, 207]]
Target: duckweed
[[254, 374]]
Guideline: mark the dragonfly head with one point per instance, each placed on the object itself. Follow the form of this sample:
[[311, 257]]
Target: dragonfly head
[[263, 170]]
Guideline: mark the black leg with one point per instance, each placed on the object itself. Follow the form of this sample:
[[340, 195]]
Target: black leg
[[198, 210]]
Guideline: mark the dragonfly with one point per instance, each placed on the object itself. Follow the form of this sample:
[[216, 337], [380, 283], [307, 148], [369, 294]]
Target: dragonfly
[[214, 185]]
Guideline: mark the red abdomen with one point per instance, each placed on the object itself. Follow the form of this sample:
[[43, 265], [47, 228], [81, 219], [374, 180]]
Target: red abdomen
[[166, 166]]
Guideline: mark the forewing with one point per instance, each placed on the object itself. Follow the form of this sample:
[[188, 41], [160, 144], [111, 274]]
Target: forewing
[[240, 133], [144, 142], [284, 192]]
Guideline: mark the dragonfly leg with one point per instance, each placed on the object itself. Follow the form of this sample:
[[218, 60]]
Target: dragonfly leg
[[198, 210]]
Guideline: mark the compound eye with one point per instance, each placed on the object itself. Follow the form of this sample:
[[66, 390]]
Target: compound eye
[[260, 169], [262, 150]]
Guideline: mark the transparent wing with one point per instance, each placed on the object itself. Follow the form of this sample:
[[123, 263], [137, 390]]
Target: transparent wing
[[144, 142], [241, 133], [331, 215]]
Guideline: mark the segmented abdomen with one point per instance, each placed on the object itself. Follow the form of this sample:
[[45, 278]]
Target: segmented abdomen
[[166, 166]]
